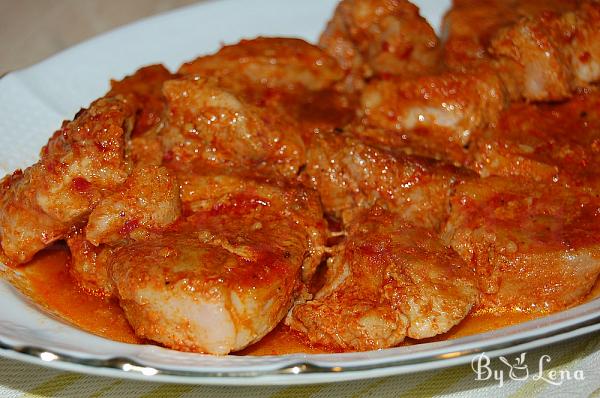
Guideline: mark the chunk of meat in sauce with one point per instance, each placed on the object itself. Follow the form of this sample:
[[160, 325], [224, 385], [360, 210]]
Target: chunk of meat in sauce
[[221, 279], [375, 37], [546, 142], [470, 25], [548, 57], [351, 175], [146, 203], [82, 162], [144, 87], [203, 192], [208, 126], [437, 112], [533, 245], [387, 281], [543, 50], [89, 265], [467, 30], [286, 76], [282, 63]]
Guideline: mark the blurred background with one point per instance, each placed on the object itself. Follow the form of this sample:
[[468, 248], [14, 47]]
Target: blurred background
[[31, 30]]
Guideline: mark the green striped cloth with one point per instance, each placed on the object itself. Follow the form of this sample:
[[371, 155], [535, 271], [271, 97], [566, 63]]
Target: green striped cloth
[[574, 365]]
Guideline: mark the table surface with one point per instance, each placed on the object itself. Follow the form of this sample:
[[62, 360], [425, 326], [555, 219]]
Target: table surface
[[581, 355], [31, 30]]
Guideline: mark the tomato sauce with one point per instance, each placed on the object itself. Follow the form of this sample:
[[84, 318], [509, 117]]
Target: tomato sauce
[[49, 284]]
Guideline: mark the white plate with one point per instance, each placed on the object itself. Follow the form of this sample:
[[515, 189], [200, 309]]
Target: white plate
[[34, 101]]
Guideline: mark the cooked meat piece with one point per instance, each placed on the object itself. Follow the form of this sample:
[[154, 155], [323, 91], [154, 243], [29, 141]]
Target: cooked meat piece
[[144, 87], [283, 76], [468, 27], [203, 192], [146, 149], [82, 162], [438, 112], [531, 62], [537, 56], [552, 143], [388, 280], [147, 202], [533, 245], [373, 37], [142, 207], [547, 57], [270, 62], [351, 175], [583, 51], [320, 112], [223, 278], [89, 265], [207, 126], [543, 50]]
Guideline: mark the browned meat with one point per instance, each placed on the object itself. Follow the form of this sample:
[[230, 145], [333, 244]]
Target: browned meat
[[553, 143], [387, 280], [89, 265], [543, 50], [351, 175], [374, 37], [281, 63], [208, 126], [468, 27], [436, 114], [141, 208], [144, 87], [225, 276], [534, 246], [203, 192], [82, 162], [147, 202], [547, 57], [282, 76]]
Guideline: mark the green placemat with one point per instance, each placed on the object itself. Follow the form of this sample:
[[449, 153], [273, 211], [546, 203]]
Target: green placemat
[[567, 369]]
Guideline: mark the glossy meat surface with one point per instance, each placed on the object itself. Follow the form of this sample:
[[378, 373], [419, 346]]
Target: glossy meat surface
[[82, 162], [89, 266], [546, 57], [225, 276], [268, 62], [208, 126], [552, 143], [543, 50], [374, 37], [282, 77], [201, 193], [437, 114], [533, 245], [388, 280], [144, 88], [351, 175], [470, 25], [147, 202]]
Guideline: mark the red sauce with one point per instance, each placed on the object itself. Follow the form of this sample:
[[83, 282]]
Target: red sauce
[[51, 286]]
